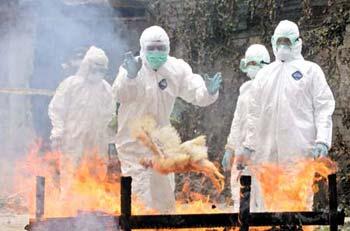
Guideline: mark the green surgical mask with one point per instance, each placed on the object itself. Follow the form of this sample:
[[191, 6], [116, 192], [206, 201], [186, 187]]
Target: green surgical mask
[[156, 58]]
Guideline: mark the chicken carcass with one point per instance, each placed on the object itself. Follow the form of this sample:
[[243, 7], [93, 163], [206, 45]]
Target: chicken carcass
[[169, 154]]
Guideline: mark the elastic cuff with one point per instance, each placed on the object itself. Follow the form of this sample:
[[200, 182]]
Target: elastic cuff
[[129, 79], [214, 96], [248, 146], [322, 142]]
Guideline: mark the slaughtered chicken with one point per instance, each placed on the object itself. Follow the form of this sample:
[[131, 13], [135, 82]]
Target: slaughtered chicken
[[169, 154]]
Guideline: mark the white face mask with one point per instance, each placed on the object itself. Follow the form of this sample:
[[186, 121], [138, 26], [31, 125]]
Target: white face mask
[[284, 53], [252, 71]]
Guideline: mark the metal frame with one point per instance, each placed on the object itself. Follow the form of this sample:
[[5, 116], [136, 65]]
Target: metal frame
[[244, 219]]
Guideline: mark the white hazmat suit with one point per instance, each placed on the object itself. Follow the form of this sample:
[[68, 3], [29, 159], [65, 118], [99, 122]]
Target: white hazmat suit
[[291, 106], [153, 93], [258, 54], [82, 107]]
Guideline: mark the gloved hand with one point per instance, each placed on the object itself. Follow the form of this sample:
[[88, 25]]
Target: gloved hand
[[113, 123], [226, 160], [213, 84], [132, 65], [242, 157], [319, 150], [56, 144]]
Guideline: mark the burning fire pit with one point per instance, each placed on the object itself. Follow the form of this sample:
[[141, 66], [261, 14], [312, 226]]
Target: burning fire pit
[[244, 219]]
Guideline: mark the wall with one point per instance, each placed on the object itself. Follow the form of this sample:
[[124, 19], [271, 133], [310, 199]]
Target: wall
[[213, 36]]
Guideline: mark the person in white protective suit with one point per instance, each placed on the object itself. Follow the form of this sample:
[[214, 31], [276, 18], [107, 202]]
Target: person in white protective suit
[[81, 109], [256, 57], [149, 85], [290, 111]]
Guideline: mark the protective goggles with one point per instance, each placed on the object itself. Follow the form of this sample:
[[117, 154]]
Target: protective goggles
[[286, 40], [156, 47], [251, 61]]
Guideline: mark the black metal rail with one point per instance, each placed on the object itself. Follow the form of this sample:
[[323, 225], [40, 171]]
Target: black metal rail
[[244, 219]]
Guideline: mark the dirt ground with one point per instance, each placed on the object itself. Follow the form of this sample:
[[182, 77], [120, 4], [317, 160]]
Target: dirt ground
[[17, 222]]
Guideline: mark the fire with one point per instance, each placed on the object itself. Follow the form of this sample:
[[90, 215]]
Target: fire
[[291, 188], [78, 189], [83, 188]]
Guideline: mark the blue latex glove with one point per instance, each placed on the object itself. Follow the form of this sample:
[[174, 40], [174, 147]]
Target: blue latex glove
[[320, 150], [213, 84], [132, 65], [226, 160], [242, 157]]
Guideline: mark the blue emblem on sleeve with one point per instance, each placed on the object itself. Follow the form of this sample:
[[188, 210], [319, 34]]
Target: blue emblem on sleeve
[[163, 84], [297, 75]]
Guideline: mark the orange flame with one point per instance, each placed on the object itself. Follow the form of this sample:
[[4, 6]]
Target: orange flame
[[77, 189], [84, 188], [291, 188]]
